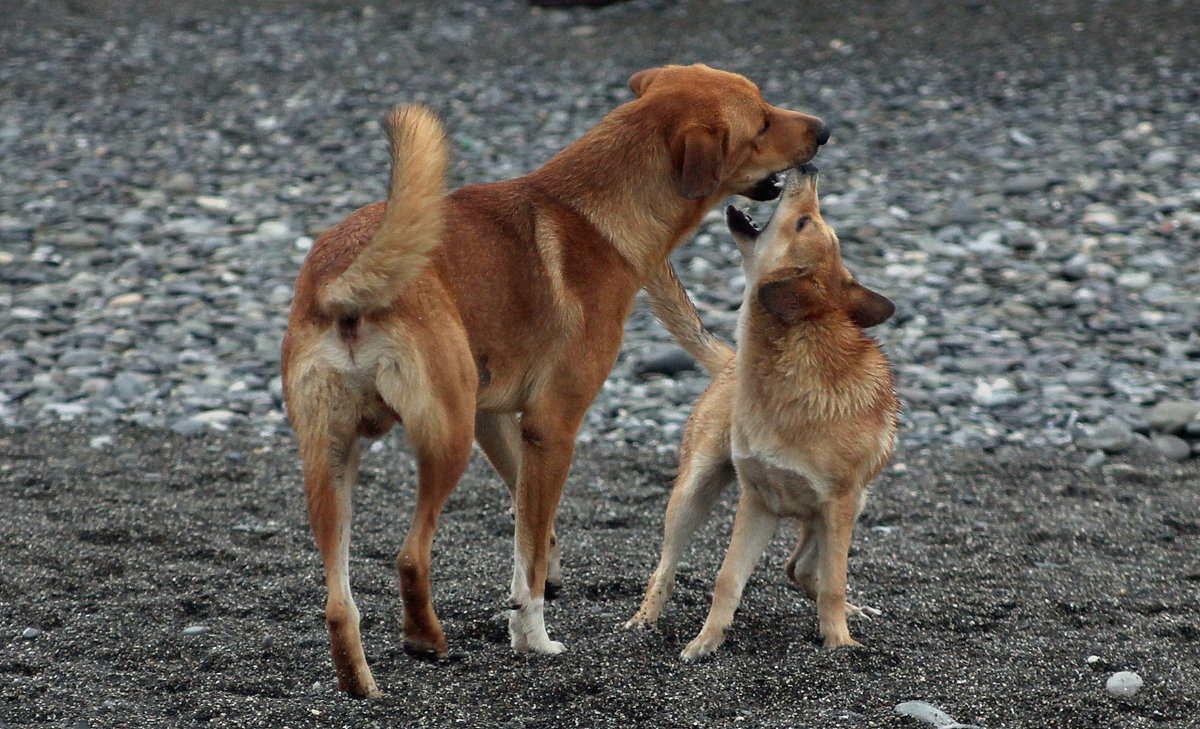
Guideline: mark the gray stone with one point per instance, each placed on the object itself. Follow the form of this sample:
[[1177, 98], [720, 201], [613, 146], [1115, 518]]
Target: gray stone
[[1112, 436], [130, 386], [1173, 416], [1171, 447], [668, 360]]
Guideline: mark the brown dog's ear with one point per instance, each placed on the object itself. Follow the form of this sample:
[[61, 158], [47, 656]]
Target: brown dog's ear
[[868, 308], [698, 154], [640, 81], [792, 298]]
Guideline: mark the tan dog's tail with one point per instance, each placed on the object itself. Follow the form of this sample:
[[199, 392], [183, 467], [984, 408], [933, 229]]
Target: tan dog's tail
[[678, 314], [412, 222]]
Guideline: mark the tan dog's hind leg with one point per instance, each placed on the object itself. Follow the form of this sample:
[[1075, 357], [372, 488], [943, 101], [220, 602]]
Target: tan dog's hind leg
[[499, 437], [801, 568], [837, 522], [752, 530], [329, 448], [701, 480]]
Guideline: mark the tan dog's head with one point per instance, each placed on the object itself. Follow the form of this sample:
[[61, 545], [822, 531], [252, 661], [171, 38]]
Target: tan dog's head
[[794, 266], [723, 138]]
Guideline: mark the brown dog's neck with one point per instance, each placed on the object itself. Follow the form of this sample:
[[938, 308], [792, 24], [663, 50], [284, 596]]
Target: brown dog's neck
[[628, 191]]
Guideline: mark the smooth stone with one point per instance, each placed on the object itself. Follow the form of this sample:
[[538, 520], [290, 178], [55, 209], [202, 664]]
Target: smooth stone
[[1171, 447], [1173, 416], [1123, 684], [668, 360], [1112, 436]]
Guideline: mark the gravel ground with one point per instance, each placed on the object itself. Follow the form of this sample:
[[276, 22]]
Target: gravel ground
[[1023, 179], [173, 582]]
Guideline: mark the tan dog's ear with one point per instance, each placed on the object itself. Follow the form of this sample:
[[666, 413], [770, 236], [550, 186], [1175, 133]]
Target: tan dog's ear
[[792, 298], [640, 81], [868, 308], [698, 154]]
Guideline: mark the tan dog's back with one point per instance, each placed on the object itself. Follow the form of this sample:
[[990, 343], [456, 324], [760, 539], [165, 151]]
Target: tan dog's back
[[804, 414]]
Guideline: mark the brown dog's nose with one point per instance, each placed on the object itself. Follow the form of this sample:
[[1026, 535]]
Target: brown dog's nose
[[822, 132]]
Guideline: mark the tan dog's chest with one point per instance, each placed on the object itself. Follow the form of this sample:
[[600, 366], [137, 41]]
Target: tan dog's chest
[[786, 486]]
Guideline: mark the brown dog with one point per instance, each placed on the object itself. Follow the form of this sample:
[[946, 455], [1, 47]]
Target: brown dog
[[804, 415], [495, 313]]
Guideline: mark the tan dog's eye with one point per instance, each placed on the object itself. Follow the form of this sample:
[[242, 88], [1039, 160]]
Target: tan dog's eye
[[803, 221], [766, 126]]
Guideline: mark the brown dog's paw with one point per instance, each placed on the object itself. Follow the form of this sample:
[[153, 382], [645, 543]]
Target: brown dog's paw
[[424, 651]]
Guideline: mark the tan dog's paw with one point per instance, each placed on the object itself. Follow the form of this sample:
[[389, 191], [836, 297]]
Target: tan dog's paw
[[841, 642], [702, 645], [643, 620], [864, 612]]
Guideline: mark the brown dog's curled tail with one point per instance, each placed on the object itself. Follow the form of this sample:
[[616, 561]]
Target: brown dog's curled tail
[[678, 314], [412, 222]]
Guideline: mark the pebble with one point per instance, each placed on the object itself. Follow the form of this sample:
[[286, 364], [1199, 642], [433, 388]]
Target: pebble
[[1173, 416], [100, 442], [668, 360], [125, 300], [195, 629], [1042, 280], [1112, 436], [31, 633], [1123, 684], [1171, 447]]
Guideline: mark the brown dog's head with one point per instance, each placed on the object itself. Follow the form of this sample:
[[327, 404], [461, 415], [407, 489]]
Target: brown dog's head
[[723, 138], [794, 266]]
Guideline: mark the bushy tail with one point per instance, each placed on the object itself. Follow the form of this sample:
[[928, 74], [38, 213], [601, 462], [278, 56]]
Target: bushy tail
[[678, 314], [412, 222]]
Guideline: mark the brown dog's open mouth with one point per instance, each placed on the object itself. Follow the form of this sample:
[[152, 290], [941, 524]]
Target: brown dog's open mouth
[[768, 188]]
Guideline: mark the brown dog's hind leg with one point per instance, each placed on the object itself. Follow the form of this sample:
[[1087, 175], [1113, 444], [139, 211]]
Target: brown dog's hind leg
[[436, 405], [329, 450], [499, 437]]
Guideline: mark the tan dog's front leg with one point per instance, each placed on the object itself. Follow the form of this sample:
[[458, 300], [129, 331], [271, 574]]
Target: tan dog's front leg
[[752, 530], [549, 444], [837, 519], [701, 479]]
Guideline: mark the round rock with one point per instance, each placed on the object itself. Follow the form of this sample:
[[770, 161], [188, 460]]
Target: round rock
[[1123, 684]]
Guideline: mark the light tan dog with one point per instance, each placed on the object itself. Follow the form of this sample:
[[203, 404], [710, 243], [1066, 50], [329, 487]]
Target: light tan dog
[[803, 415], [495, 313]]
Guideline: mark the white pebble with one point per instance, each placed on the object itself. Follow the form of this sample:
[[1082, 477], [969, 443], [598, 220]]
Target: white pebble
[[1123, 683]]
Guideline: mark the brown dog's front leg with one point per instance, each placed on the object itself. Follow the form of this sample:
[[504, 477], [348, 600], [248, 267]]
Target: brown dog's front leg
[[548, 446], [499, 437]]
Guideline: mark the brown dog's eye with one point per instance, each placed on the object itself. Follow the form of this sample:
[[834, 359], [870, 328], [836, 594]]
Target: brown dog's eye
[[803, 221], [766, 126]]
